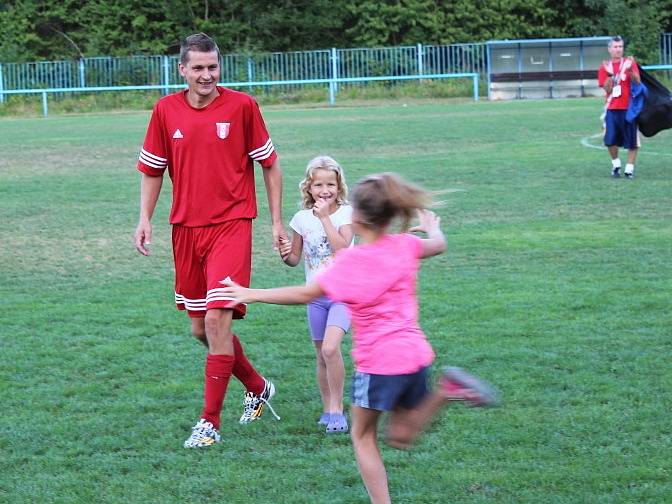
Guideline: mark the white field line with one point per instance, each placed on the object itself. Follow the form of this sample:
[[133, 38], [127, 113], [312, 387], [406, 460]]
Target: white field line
[[585, 141]]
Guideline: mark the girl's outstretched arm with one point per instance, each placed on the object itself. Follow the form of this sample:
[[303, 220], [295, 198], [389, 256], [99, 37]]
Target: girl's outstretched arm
[[435, 243], [299, 294]]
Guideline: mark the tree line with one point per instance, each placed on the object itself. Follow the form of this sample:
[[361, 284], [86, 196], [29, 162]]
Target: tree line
[[35, 30]]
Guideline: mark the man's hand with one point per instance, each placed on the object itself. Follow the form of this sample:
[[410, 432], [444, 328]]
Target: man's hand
[[279, 234], [143, 237], [285, 248], [609, 85], [236, 292]]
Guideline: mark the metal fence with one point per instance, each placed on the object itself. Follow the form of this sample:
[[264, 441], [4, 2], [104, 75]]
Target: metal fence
[[666, 49], [288, 66]]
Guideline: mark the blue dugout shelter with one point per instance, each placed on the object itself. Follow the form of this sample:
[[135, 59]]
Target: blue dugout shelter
[[545, 68]]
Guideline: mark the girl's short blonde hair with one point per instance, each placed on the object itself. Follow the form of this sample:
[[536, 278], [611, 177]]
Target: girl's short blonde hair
[[323, 163]]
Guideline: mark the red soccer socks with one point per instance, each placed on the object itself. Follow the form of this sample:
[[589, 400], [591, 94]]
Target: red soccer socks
[[244, 371], [218, 369]]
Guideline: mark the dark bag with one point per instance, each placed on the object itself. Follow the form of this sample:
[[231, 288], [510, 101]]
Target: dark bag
[[657, 112]]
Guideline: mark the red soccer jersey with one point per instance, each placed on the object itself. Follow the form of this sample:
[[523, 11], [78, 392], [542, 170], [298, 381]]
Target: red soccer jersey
[[607, 70], [209, 154]]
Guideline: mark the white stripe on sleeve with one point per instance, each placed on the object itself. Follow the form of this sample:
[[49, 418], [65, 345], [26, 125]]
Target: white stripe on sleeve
[[152, 156], [151, 160], [265, 154], [262, 152]]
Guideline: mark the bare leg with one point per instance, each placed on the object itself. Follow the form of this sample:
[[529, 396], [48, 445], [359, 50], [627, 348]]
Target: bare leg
[[365, 444], [321, 373], [198, 330], [405, 425], [613, 151], [331, 354], [218, 323], [632, 156]]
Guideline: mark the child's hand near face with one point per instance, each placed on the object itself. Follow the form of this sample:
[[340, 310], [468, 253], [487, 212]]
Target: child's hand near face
[[321, 209]]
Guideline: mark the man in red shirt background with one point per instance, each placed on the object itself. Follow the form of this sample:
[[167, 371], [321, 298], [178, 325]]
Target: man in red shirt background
[[208, 138], [615, 77]]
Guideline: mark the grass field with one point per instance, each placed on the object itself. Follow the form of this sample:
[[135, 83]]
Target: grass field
[[556, 287]]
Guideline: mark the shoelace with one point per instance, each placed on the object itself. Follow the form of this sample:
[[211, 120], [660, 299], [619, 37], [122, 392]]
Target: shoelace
[[270, 408], [250, 403]]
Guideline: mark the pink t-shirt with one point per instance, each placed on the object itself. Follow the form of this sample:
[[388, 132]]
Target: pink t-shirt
[[376, 281]]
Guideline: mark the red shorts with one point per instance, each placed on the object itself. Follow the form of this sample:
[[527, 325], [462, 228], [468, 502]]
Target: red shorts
[[206, 255]]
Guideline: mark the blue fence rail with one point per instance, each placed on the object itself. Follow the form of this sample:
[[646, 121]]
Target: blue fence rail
[[332, 85], [299, 65]]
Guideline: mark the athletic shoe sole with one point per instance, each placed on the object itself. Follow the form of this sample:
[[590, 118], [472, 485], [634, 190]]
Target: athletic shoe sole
[[488, 394]]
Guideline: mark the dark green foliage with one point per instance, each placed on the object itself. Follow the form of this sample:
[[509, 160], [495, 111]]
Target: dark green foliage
[[33, 30]]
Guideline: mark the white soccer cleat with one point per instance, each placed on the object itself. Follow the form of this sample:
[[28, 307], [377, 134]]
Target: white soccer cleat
[[253, 405], [203, 434]]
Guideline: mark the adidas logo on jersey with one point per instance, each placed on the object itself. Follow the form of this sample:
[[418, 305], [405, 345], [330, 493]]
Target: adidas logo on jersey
[[178, 134]]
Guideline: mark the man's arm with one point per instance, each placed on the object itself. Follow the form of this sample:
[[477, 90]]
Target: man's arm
[[273, 183], [605, 79], [608, 86], [150, 188], [634, 72]]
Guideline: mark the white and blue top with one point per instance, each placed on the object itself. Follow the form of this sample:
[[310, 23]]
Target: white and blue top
[[317, 252]]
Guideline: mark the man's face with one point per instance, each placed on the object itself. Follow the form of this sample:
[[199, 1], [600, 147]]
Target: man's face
[[616, 49], [201, 72]]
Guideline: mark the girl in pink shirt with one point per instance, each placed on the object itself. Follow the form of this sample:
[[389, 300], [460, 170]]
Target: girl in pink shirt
[[376, 280]]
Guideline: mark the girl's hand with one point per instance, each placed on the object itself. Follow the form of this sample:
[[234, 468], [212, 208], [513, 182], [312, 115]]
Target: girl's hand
[[321, 209], [429, 222], [236, 292], [285, 248]]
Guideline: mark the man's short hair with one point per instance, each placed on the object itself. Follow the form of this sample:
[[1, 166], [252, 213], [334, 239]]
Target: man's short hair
[[198, 42], [617, 38]]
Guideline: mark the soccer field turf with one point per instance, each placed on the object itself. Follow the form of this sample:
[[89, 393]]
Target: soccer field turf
[[556, 286]]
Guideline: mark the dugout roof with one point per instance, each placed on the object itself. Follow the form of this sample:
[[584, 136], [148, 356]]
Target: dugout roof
[[545, 68]]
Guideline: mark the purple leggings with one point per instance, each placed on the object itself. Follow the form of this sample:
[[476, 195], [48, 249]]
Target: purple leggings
[[323, 313]]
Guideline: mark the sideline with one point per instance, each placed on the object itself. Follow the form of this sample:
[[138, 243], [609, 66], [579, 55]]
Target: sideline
[[585, 141]]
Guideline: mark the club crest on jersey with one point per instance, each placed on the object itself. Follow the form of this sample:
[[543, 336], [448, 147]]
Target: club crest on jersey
[[223, 130]]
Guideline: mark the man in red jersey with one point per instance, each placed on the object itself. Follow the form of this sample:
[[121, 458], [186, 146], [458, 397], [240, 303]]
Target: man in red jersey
[[615, 76], [208, 138]]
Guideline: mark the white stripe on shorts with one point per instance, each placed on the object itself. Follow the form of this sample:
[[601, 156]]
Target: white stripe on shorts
[[190, 304], [360, 389]]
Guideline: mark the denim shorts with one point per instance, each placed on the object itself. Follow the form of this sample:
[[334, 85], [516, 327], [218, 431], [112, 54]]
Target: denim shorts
[[386, 392]]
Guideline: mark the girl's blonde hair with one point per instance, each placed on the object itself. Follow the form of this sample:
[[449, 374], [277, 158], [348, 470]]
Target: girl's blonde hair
[[380, 198], [323, 163]]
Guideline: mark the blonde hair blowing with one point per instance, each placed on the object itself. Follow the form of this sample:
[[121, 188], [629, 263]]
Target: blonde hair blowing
[[380, 198], [323, 163]]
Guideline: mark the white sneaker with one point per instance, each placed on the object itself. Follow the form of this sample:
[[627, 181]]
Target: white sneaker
[[202, 434], [253, 405]]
